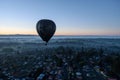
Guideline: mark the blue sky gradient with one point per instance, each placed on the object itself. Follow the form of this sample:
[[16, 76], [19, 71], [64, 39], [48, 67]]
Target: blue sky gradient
[[72, 17]]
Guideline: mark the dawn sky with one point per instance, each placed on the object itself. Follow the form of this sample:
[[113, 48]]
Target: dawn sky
[[72, 17]]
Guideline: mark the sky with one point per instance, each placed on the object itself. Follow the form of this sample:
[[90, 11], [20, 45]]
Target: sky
[[72, 17]]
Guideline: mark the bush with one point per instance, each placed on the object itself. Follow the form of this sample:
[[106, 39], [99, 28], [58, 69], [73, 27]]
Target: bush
[[7, 49]]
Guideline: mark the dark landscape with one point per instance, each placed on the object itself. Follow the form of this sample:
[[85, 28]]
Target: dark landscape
[[64, 58]]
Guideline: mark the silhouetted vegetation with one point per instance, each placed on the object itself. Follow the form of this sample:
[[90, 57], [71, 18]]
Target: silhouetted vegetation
[[32, 63]]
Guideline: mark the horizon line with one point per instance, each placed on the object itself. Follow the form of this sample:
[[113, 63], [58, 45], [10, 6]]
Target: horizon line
[[54, 35]]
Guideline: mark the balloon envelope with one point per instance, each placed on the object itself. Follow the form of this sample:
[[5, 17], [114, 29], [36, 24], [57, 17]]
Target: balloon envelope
[[46, 29]]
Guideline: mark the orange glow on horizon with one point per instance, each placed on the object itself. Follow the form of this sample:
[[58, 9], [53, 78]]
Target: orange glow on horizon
[[34, 32], [65, 33]]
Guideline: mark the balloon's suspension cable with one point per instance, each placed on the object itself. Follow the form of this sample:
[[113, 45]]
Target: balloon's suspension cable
[[46, 43]]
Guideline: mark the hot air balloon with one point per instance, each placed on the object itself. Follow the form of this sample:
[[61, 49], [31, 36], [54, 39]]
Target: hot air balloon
[[46, 29]]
